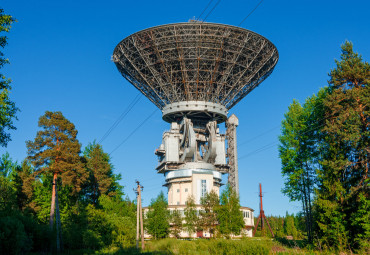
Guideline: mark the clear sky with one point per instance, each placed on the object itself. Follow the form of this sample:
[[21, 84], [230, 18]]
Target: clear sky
[[60, 53]]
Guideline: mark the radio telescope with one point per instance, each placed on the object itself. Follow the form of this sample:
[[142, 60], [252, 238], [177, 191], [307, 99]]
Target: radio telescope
[[195, 73]]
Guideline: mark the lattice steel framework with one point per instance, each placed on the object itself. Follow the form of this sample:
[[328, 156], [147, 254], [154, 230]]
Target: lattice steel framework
[[195, 62]]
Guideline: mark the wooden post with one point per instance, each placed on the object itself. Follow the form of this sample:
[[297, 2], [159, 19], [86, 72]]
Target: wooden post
[[141, 221], [137, 218], [139, 215]]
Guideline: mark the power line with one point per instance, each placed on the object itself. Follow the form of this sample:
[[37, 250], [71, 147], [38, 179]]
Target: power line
[[205, 9], [267, 146], [121, 117], [257, 136], [250, 12], [270, 145], [134, 131], [211, 10]]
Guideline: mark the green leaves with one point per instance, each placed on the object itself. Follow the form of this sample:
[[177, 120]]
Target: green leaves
[[57, 150], [158, 218], [343, 193], [101, 179], [325, 148], [8, 109], [191, 217], [229, 216]]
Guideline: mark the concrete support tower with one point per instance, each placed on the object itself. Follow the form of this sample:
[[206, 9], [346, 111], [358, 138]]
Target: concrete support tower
[[232, 152]]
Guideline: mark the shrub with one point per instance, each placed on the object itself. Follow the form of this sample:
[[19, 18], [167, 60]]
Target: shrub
[[13, 237]]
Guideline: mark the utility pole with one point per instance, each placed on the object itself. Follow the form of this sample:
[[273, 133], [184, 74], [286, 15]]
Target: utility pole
[[139, 217], [262, 217]]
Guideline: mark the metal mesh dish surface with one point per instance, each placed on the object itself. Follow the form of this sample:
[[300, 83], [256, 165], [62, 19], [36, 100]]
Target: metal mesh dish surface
[[195, 61]]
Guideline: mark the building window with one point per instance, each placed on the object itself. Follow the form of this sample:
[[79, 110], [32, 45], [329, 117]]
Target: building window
[[203, 188], [178, 190], [186, 190], [178, 203]]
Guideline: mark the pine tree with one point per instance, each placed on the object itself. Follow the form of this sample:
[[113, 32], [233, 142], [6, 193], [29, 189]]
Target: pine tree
[[8, 109], [344, 178], [230, 218], [55, 151]]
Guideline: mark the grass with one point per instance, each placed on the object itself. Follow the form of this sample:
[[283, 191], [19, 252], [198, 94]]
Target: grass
[[248, 246]]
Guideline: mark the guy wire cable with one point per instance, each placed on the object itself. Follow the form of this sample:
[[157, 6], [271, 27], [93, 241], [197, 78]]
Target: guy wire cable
[[121, 117], [134, 131], [250, 13], [270, 145], [211, 10], [204, 9]]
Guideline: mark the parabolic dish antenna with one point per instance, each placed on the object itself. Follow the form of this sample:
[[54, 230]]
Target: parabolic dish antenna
[[194, 69]]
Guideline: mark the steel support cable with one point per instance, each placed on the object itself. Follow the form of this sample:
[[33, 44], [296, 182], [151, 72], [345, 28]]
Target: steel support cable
[[267, 146], [257, 136], [134, 131], [151, 178], [121, 117], [209, 3], [250, 13], [270, 145], [153, 189], [211, 10], [270, 130]]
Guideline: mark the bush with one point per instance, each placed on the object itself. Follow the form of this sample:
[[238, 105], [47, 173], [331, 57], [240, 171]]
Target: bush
[[13, 237]]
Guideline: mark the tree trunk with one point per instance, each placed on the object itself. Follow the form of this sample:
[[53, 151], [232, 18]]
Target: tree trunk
[[309, 207], [304, 203], [58, 223], [52, 209]]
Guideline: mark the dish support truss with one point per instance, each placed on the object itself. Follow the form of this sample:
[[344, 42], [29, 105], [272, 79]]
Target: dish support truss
[[195, 62]]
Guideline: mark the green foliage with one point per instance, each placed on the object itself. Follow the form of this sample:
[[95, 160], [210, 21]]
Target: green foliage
[[8, 109], [157, 218], [41, 198], [20, 232], [7, 166], [298, 151], [208, 216], [56, 150], [101, 179], [229, 216], [343, 179], [191, 217], [176, 223], [7, 196], [13, 237], [289, 226], [25, 195], [325, 148]]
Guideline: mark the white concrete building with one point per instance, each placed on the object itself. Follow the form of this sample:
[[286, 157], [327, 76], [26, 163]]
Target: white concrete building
[[248, 215]]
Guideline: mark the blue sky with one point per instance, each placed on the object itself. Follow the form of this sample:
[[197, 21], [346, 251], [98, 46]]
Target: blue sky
[[60, 53]]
